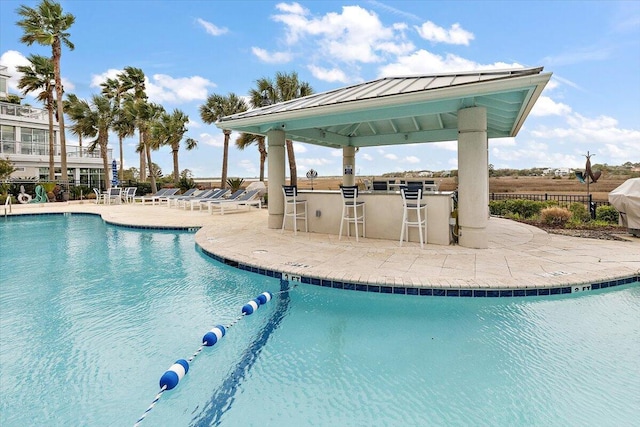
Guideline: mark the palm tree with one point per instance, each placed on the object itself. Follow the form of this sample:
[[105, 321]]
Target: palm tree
[[38, 76], [69, 104], [94, 119], [132, 80], [169, 130], [247, 139], [47, 25], [145, 114], [285, 88], [218, 106], [114, 90]]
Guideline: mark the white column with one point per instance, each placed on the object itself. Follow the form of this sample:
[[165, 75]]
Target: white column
[[473, 177], [348, 165], [275, 176]]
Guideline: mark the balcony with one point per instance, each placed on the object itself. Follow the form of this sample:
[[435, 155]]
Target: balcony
[[8, 148], [23, 111]]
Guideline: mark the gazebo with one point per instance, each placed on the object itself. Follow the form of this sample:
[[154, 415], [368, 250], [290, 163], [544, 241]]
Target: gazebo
[[469, 107]]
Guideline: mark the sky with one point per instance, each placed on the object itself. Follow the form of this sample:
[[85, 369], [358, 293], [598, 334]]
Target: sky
[[191, 49]]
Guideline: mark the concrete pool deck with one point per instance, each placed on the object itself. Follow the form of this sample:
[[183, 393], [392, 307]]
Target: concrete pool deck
[[519, 256]]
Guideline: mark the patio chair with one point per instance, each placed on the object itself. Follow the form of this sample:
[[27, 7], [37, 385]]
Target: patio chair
[[380, 185], [214, 195], [220, 197], [187, 194], [181, 202], [249, 198], [414, 213], [294, 208], [350, 207], [163, 197], [158, 193], [100, 197], [129, 193], [114, 196]]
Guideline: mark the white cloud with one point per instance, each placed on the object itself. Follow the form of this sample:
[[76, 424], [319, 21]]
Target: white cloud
[[354, 35], [164, 88], [545, 106], [454, 35], [211, 28], [391, 156], [425, 62], [367, 157], [299, 148], [248, 166], [446, 145], [216, 140], [272, 57], [411, 159], [332, 75], [13, 59], [306, 162]]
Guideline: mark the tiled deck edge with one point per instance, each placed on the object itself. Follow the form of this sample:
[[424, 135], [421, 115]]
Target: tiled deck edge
[[192, 229], [419, 291]]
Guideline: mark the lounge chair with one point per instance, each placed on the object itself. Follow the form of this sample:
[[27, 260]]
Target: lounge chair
[[187, 194], [220, 197], [215, 195], [158, 193], [249, 198], [114, 195], [163, 197]]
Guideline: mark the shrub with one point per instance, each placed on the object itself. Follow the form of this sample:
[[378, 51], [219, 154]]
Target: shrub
[[608, 214], [579, 212], [555, 215], [235, 183]]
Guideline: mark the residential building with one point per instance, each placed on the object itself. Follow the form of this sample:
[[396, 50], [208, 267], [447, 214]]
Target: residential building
[[24, 140]]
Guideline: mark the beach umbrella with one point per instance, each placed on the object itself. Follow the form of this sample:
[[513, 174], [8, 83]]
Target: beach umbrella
[[114, 174]]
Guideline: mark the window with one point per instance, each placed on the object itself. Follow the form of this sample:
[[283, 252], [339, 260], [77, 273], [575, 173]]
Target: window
[[34, 141], [8, 138]]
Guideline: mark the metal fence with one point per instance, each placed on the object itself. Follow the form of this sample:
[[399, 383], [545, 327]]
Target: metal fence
[[586, 199]]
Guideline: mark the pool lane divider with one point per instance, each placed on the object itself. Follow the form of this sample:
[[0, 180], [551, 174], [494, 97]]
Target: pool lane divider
[[179, 369]]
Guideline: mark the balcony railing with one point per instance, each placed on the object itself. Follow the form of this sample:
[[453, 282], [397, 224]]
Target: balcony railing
[[27, 111], [42, 149]]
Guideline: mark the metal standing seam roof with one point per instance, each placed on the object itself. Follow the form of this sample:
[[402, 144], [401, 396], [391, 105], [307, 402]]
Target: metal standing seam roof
[[400, 110]]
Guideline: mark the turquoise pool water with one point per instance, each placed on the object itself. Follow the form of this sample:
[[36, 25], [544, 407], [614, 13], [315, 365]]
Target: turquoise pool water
[[91, 316]]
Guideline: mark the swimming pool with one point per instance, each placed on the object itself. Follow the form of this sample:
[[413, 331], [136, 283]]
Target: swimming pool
[[91, 316]]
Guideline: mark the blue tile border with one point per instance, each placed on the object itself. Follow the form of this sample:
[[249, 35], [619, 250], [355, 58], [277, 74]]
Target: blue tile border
[[417, 291], [138, 227]]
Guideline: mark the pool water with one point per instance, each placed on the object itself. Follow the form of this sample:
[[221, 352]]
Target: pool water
[[91, 315]]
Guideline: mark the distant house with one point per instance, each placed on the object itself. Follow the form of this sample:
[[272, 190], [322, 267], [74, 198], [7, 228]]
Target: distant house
[[547, 171], [445, 173], [426, 174], [562, 172]]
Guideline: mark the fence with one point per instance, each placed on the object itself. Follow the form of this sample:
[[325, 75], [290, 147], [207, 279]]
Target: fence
[[560, 198]]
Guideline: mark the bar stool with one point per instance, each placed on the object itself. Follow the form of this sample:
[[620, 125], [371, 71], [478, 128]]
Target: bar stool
[[413, 206], [291, 208], [350, 206]]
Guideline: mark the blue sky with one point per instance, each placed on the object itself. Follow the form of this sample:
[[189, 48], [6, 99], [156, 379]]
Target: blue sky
[[191, 49]]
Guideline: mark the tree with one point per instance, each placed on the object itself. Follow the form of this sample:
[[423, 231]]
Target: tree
[[247, 139], [144, 114], [115, 89], [94, 119], [218, 106], [133, 80], [169, 130], [39, 77], [285, 88], [47, 25]]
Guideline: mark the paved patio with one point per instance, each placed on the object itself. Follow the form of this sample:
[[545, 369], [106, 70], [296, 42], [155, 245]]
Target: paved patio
[[519, 256]]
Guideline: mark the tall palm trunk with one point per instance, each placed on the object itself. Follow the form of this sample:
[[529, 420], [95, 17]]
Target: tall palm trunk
[[57, 53], [52, 137], [293, 169], [143, 162], [105, 163], [152, 175], [121, 171], [225, 157], [176, 170], [263, 156]]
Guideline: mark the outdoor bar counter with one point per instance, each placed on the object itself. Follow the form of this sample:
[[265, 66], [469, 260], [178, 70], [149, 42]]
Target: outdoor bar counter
[[383, 210]]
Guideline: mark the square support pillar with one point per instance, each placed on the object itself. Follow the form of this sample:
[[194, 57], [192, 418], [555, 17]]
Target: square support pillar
[[473, 177], [348, 165], [276, 175]]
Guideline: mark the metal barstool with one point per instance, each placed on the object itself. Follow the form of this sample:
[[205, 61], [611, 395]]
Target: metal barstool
[[412, 205], [350, 206], [291, 201]]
